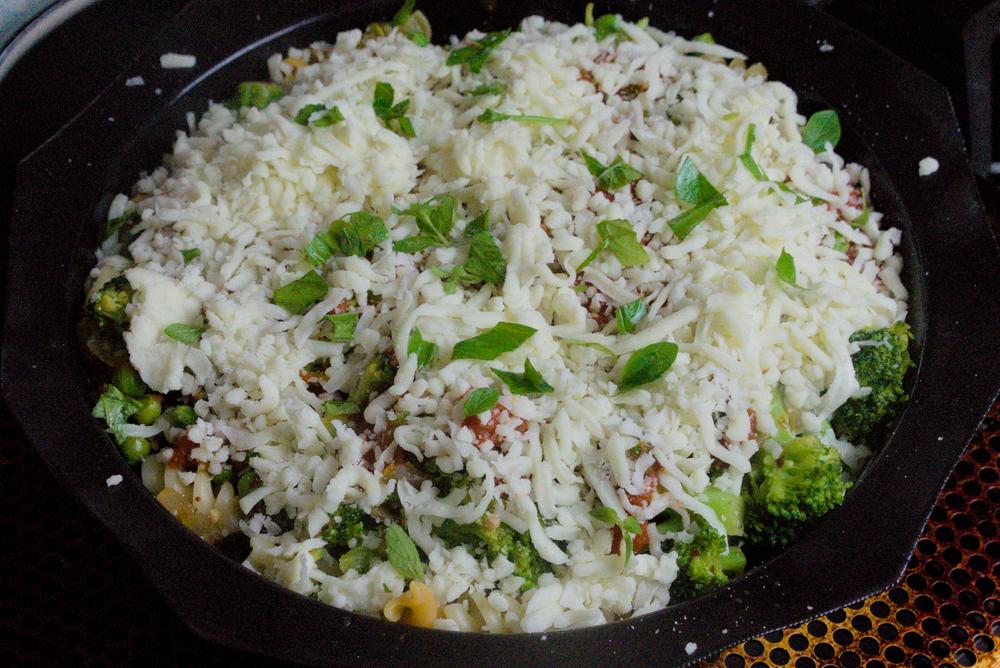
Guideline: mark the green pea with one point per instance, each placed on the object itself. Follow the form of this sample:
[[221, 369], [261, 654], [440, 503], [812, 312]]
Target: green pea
[[150, 407], [128, 381], [249, 481], [135, 448], [183, 416]]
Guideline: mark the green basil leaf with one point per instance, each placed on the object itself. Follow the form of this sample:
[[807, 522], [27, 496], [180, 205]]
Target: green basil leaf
[[647, 364], [382, 104], [489, 345], [419, 38], [599, 347], [593, 254], [485, 261], [356, 234], [320, 249], [115, 409], [414, 244], [492, 88], [339, 409], [434, 218], [631, 525], [303, 115], [611, 177], [604, 25], [476, 54], [188, 334], [822, 127], [622, 241], [862, 218], [785, 266], [606, 515], [127, 219], [358, 559], [424, 350], [344, 325], [840, 243], [402, 553], [692, 187], [480, 400], [683, 223], [300, 294], [529, 382], [477, 225], [704, 38], [189, 254], [617, 175], [493, 116], [256, 94], [629, 315], [747, 159]]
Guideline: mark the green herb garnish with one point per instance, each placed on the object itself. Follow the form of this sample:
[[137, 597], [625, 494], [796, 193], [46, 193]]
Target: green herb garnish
[[599, 347], [629, 526], [747, 159], [785, 267], [189, 254], [647, 364], [256, 94], [692, 187], [529, 382], [493, 116], [618, 236], [476, 54], [327, 116], [424, 350], [604, 25], [480, 400], [115, 409], [188, 334], [840, 243], [300, 294], [384, 108], [629, 315], [402, 553], [340, 409], [491, 88], [611, 177], [344, 325], [492, 343], [356, 234], [822, 127], [435, 218]]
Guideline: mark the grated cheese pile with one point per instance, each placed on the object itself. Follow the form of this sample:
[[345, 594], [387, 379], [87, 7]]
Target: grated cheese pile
[[249, 190]]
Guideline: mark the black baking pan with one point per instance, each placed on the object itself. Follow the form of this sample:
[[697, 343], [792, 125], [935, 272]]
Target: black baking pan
[[893, 116]]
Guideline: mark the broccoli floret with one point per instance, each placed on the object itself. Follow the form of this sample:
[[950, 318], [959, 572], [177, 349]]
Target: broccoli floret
[[445, 482], [528, 564], [782, 494], [490, 538], [376, 378], [880, 363], [110, 301], [728, 508], [704, 563], [346, 526]]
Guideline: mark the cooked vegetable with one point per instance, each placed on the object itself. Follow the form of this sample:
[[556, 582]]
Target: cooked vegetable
[[393, 115], [492, 116], [424, 350], [478, 52], [402, 553], [150, 407], [489, 538], [110, 301], [783, 494], [134, 449], [881, 364], [821, 129], [375, 378], [618, 236], [705, 563], [692, 187], [647, 364], [128, 381], [345, 529], [529, 382], [480, 400], [300, 294], [785, 268], [613, 176]]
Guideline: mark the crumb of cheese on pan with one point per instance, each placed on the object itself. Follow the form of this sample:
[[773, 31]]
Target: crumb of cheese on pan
[[134, 81], [691, 648], [927, 166], [825, 47], [171, 61], [114, 480]]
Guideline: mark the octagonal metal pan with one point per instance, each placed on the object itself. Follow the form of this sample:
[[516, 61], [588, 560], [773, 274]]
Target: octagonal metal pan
[[893, 116]]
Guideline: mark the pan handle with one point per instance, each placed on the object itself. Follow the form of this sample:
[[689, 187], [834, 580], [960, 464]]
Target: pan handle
[[979, 37]]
